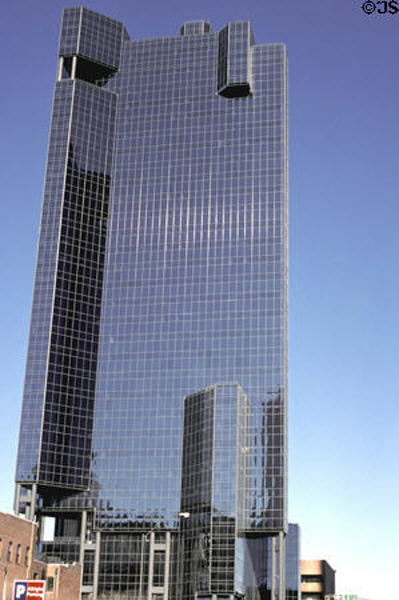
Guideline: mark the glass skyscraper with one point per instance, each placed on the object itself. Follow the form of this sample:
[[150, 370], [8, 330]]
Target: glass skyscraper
[[153, 430]]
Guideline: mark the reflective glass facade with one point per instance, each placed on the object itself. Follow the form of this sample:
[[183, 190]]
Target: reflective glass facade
[[293, 563], [162, 271], [213, 494]]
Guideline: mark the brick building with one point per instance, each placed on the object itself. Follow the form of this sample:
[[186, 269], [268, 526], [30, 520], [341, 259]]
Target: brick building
[[63, 581], [17, 561]]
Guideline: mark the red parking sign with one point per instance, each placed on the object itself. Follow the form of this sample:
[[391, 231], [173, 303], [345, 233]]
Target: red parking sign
[[29, 590]]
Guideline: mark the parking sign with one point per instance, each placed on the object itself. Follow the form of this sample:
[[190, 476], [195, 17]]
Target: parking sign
[[29, 590]]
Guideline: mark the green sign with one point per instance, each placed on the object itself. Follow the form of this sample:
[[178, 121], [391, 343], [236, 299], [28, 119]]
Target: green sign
[[342, 597]]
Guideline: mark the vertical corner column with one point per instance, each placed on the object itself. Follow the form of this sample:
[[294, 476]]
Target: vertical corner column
[[234, 61]]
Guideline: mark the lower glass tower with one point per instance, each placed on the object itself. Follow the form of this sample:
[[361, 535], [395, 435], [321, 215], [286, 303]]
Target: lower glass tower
[[213, 493], [153, 429]]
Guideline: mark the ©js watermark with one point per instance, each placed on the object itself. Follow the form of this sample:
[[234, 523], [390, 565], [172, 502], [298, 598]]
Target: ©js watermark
[[381, 6]]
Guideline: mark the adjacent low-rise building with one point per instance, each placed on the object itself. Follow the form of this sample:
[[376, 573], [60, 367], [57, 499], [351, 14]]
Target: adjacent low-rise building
[[18, 563], [63, 581], [317, 579]]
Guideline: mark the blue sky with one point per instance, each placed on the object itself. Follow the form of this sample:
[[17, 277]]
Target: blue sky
[[344, 246]]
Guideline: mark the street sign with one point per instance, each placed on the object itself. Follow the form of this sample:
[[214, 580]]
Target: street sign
[[29, 590]]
